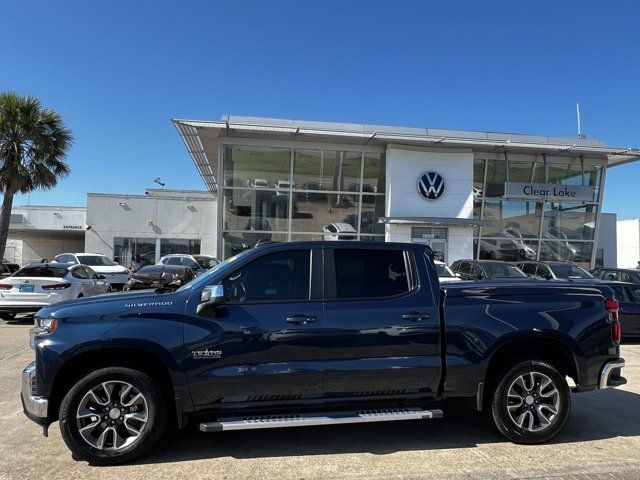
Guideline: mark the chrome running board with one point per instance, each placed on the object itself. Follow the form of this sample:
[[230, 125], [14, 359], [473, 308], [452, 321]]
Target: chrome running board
[[312, 419]]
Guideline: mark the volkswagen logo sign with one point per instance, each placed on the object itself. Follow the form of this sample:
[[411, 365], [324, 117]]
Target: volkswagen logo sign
[[431, 185]]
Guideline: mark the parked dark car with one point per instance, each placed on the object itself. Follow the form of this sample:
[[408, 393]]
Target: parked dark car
[[628, 275], [8, 269], [487, 270], [160, 276], [317, 333], [555, 271], [628, 294]]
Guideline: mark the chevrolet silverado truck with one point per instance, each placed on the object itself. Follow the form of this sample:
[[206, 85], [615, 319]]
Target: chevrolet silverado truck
[[317, 333]]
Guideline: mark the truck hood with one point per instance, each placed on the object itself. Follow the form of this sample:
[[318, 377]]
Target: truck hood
[[121, 303]]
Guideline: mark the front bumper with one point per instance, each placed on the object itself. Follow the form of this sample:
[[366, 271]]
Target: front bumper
[[36, 408], [610, 374]]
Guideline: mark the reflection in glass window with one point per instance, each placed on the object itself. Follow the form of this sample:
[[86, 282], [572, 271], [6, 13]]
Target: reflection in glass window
[[312, 216], [511, 249], [374, 174], [512, 218], [532, 172], [569, 173], [566, 251], [496, 176], [179, 245], [256, 167], [253, 209], [478, 178], [126, 249], [372, 210], [234, 243], [564, 221]]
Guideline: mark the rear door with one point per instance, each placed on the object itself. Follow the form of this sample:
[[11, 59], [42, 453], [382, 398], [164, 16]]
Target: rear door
[[630, 312], [381, 322], [265, 342]]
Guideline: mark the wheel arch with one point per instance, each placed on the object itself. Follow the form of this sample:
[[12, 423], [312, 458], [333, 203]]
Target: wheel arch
[[557, 351], [87, 361]]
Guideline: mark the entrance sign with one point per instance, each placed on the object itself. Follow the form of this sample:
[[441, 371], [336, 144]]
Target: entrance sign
[[549, 191]]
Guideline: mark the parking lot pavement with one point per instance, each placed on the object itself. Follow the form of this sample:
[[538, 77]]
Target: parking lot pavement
[[600, 441]]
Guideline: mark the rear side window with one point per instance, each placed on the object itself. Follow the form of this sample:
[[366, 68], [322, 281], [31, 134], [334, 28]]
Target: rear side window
[[370, 273], [611, 275]]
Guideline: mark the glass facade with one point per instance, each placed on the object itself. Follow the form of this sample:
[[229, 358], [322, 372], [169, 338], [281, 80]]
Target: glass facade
[[528, 230], [125, 249], [282, 194]]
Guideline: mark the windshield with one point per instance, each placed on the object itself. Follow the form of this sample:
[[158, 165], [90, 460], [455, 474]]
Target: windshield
[[570, 271], [502, 270], [443, 270], [205, 277], [95, 261], [49, 271], [207, 262]]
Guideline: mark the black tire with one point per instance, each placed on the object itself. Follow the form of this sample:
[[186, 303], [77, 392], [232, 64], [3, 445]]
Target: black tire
[[502, 404], [8, 315], [150, 433]]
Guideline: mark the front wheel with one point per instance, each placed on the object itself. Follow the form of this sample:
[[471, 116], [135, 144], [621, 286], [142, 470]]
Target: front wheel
[[531, 402], [112, 415]]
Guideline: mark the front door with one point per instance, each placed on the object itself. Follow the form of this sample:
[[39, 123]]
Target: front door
[[435, 237], [264, 342], [381, 324]]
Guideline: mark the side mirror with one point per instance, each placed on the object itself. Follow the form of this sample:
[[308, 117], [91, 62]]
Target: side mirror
[[211, 295]]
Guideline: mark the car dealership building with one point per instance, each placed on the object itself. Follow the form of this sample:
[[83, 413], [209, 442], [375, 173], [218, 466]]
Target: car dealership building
[[468, 194]]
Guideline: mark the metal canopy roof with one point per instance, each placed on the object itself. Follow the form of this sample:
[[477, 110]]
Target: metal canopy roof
[[201, 139]]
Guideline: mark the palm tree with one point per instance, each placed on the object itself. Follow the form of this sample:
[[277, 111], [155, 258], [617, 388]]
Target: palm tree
[[33, 145]]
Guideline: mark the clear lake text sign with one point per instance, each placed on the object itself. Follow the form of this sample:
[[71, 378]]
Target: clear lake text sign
[[549, 191]]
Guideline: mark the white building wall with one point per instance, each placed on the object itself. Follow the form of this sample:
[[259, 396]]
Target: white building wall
[[607, 239], [404, 165], [628, 242], [169, 214]]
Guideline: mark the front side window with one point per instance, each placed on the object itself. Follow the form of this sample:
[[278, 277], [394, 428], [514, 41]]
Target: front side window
[[370, 273], [611, 275], [281, 276]]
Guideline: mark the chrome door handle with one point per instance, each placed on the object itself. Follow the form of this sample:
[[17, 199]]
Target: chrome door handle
[[300, 319], [415, 316]]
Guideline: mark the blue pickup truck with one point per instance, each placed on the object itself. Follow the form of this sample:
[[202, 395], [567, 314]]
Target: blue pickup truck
[[315, 333]]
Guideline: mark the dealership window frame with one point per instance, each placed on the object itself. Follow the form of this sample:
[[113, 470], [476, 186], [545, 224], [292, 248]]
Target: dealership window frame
[[296, 235], [592, 172]]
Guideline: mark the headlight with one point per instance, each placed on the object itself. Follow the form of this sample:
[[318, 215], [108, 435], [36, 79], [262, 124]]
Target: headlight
[[41, 326], [45, 325]]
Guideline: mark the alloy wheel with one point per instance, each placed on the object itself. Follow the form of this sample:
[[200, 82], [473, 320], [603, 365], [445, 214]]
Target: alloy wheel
[[533, 401], [112, 415]]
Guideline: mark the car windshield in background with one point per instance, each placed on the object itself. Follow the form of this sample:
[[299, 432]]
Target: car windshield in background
[[570, 271], [502, 270], [443, 270], [95, 261], [206, 262], [56, 272]]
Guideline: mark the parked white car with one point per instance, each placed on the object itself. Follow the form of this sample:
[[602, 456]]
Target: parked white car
[[339, 231], [41, 284], [116, 275], [260, 183], [198, 263], [283, 186], [445, 274]]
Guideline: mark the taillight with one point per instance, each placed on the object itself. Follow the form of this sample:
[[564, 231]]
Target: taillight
[[56, 286], [5, 286], [612, 305]]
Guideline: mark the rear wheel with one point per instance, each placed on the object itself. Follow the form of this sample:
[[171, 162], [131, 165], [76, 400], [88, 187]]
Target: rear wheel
[[112, 415], [531, 402]]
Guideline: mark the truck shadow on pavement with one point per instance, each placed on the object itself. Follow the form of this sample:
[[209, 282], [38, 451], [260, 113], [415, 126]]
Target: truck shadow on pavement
[[595, 416]]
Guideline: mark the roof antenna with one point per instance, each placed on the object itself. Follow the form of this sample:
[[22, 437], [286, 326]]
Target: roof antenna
[[581, 136]]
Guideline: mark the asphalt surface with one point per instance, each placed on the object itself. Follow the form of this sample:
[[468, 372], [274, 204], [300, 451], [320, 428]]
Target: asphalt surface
[[600, 441]]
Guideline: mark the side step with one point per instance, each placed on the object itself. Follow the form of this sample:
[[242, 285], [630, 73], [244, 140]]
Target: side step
[[311, 419]]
